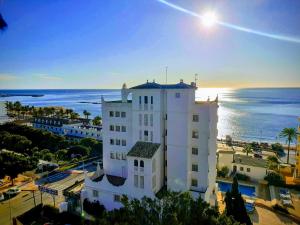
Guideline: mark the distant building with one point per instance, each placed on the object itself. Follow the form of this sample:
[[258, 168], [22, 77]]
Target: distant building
[[297, 168], [255, 168], [162, 137], [71, 129], [3, 113]]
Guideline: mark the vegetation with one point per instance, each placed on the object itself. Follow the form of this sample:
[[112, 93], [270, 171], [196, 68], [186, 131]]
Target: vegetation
[[247, 149], [97, 121], [235, 205], [290, 134], [274, 179], [13, 164], [255, 146], [272, 162], [278, 148], [93, 208], [223, 172], [242, 177], [86, 114]]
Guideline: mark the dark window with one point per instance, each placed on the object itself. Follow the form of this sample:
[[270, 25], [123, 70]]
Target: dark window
[[140, 99], [241, 168], [194, 182], [111, 113], [195, 118], [146, 133], [117, 128], [195, 134], [195, 151], [117, 114], [248, 170], [112, 142], [141, 163], [123, 129], [136, 163], [195, 167], [151, 100], [123, 142], [111, 127], [146, 99], [123, 114]]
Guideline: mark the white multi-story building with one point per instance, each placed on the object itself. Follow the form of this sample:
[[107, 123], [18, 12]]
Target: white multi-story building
[[3, 113], [162, 137]]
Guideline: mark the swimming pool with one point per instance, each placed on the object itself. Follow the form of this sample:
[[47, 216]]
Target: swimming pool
[[245, 190]]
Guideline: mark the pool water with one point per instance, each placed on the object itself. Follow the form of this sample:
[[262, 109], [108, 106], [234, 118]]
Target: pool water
[[245, 190]]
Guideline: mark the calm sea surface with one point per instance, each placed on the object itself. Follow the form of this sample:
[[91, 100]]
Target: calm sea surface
[[246, 114]]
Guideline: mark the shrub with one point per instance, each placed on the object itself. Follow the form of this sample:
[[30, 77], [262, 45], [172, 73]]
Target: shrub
[[243, 177], [223, 172], [93, 208], [274, 179]]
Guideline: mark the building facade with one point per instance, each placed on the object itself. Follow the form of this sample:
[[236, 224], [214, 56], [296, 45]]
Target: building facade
[[162, 137], [71, 129], [297, 168]]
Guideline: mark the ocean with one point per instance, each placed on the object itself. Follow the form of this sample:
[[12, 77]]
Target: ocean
[[256, 114]]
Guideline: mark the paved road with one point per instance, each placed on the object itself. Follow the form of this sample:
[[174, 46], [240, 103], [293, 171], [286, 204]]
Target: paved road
[[24, 201]]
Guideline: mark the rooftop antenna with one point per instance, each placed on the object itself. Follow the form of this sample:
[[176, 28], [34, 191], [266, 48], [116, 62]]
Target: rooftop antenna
[[166, 74], [196, 79]]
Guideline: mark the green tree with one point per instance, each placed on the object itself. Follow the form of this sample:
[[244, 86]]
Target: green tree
[[235, 205], [13, 164], [272, 162], [290, 134], [61, 155], [97, 121], [247, 149], [86, 114], [79, 150], [278, 148], [74, 116]]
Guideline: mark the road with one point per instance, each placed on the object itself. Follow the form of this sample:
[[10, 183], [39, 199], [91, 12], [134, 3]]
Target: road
[[25, 201]]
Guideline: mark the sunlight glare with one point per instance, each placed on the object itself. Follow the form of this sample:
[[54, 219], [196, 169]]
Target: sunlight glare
[[209, 19]]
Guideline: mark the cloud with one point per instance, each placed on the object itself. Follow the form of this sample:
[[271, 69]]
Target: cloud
[[48, 77], [7, 77]]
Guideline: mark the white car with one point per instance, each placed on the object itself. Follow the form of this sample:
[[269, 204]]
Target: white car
[[1, 197], [13, 191]]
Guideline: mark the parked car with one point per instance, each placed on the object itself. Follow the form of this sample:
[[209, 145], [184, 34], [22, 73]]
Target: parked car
[[13, 191], [2, 197]]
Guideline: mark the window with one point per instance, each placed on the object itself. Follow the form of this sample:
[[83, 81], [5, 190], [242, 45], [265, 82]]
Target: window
[[124, 156], [111, 113], [195, 151], [123, 129], [195, 134], [123, 114], [151, 120], [141, 181], [140, 135], [140, 119], [241, 168], [95, 193], [123, 142], [248, 170], [112, 141], [117, 198], [117, 114], [111, 127], [136, 180], [151, 100], [136, 163], [194, 183], [151, 136], [145, 135], [141, 163], [112, 155], [118, 156], [166, 163], [177, 95], [145, 119], [195, 118], [118, 142], [140, 100], [146, 99], [118, 128], [195, 167], [166, 133]]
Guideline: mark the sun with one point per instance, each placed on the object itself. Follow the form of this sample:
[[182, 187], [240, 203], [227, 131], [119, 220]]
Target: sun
[[209, 19]]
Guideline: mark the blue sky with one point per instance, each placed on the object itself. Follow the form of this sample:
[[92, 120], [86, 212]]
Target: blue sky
[[102, 44]]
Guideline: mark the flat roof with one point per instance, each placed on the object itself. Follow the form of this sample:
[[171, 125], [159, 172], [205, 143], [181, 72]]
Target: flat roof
[[249, 161], [153, 85], [143, 149], [118, 101]]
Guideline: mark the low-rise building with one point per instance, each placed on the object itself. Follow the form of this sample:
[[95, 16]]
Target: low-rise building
[[3, 113], [71, 129]]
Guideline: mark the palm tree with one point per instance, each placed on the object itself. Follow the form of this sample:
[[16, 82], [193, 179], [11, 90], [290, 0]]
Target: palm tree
[[247, 149], [86, 114], [74, 115], [290, 134]]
